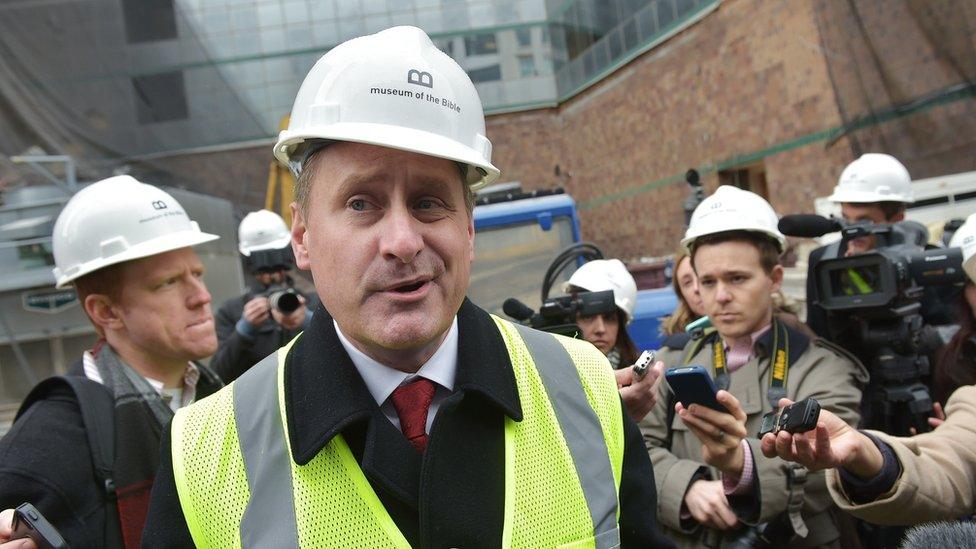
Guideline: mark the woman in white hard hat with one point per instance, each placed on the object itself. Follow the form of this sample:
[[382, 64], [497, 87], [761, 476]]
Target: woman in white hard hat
[[608, 332]]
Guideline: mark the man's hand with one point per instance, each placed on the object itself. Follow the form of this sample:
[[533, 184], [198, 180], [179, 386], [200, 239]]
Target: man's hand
[[256, 311], [7, 529], [708, 505], [721, 434], [291, 321], [834, 443], [639, 396]]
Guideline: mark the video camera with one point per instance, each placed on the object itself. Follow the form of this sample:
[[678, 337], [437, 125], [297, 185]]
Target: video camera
[[558, 314], [873, 301]]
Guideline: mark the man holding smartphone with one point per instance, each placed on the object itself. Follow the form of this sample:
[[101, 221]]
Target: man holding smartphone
[[754, 359], [127, 248]]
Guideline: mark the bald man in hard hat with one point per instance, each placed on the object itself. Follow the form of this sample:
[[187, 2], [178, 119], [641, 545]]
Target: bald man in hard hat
[[404, 415], [717, 488], [127, 248]]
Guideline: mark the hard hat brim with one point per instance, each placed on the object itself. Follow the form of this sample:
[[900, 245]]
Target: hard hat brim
[[394, 137], [861, 197], [273, 245], [162, 244]]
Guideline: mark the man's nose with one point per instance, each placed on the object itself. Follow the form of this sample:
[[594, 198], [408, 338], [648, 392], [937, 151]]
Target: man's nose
[[400, 238], [199, 295], [722, 293]]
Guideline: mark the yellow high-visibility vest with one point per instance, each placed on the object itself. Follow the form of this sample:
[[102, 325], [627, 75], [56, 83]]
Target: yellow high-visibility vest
[[239, 487]]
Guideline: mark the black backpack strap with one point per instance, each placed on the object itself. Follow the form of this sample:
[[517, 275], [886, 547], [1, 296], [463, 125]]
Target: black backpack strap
[[98, 415]]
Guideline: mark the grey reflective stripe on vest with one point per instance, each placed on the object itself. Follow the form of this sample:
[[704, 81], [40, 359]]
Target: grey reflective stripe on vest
[[269, 519], [582, 430]]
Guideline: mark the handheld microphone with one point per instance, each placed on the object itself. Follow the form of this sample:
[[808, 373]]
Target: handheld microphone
[[808, 225], [517, 310]]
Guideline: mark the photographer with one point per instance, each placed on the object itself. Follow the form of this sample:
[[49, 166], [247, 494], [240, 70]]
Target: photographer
[[900, 481], [272, 311], [608, 331], [734, 247], [875, 188]]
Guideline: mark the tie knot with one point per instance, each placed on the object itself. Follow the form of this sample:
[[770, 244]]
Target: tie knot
[[412, 401]]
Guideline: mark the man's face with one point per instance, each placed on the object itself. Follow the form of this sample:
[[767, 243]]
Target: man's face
[[860, 213], [164, 307], [268, 277], [389, 241], [735, 289]]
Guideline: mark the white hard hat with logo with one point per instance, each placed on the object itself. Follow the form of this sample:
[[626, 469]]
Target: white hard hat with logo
[[874, 177], [607, 274], [118, 219], [965, 238], [733, 209], [394, 89], [262, 230]]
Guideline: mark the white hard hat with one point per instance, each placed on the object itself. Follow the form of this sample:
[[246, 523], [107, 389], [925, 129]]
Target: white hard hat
[[394, 89], [733, 209], [118, 219], [607, 274], [965, 238], [874, 178], [262, 230]]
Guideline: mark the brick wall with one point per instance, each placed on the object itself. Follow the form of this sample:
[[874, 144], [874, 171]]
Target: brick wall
[[747, 78]]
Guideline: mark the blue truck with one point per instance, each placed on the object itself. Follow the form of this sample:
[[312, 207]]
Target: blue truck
[[517, 238]]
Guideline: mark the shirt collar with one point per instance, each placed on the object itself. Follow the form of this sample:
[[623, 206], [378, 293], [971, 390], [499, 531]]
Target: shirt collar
[[381, 380], [754, 336]]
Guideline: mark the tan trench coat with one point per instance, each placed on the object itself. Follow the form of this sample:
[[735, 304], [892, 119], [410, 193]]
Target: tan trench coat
[[818, 370], [938, 479]]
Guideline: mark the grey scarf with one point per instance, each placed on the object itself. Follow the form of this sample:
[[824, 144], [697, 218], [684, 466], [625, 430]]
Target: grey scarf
[[128, 386]]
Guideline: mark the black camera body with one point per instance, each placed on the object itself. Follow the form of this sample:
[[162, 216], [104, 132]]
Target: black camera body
[[558, 314]]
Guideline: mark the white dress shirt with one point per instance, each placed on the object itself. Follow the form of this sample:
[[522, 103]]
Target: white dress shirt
[[381, 380]]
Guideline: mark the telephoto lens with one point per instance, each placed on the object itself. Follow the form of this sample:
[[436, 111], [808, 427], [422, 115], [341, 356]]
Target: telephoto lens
[[285, 301]]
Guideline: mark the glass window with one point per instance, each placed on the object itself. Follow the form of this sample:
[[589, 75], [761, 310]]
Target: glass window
[[480, 44], [486, 74], [160, 97], [524, 36], [149, 20], [527, 65]]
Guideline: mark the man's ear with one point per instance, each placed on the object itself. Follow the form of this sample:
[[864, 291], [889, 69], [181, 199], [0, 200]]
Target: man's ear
[[103, 313], [777, 276], [299, 233], [471, 238]]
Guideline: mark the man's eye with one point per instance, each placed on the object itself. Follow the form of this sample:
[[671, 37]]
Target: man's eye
[[358, 204]]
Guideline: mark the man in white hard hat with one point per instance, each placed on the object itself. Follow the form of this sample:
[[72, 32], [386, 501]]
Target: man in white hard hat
[[897, 480], [608, 331], [127, 248], [715, 485], [404, 415], [272, 311], [876, 188]]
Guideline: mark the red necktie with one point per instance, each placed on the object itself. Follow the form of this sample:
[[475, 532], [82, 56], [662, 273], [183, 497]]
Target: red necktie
[[412, 401]]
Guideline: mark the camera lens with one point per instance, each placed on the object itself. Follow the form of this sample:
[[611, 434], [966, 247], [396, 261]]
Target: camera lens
[[285, 301]]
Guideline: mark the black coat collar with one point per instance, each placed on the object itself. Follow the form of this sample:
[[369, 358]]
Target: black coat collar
[[797, 342], [324, 393]]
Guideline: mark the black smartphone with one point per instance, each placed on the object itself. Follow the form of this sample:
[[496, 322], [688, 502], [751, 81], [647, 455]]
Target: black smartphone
[[30, 523], [693, 385], [798, 417]]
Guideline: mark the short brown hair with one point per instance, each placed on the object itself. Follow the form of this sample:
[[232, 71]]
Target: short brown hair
[[106, 281], [890, 209], [303, 184], [768, 248]]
